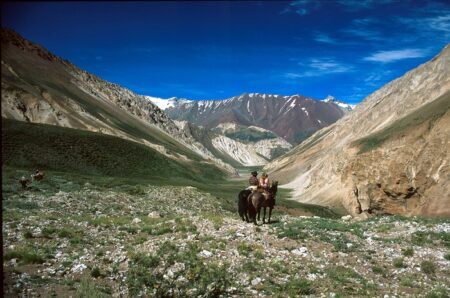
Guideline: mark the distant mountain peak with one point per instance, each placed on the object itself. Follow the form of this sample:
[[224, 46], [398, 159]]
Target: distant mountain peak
[[343, 105]]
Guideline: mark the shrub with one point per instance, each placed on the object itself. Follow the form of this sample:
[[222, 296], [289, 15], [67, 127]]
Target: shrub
[[428, 267], [88, 288], [408, 252], [298, 287], [398, 263], [244, 249], [95, 272], [25, 255], [28, 235], [438, 293], [379, 270]]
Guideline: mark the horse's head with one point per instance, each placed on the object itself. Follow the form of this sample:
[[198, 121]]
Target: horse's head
[[273, 188]]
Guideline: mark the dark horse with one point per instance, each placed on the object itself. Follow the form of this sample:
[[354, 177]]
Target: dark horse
[[243, 204], [258, 200]]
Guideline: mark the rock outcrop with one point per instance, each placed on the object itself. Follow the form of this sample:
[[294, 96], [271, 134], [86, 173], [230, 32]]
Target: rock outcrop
[[390, 155]]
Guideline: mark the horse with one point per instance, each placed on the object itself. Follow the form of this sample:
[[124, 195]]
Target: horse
[[243, 204], [38, 176], [258, 200]]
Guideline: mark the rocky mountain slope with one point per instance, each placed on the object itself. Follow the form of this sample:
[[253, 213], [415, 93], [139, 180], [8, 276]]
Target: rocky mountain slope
[[40, 87], [291, 117], [238, 145], [390, 155]]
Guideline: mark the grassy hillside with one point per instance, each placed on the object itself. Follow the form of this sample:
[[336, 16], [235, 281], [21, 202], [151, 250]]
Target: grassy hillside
[[428, 113], [54, 148]]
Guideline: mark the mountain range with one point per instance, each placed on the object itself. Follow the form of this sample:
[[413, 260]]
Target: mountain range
[[292, 118]]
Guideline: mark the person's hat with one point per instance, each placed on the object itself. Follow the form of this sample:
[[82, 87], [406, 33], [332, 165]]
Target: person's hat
[[264, 175], [255, 173]]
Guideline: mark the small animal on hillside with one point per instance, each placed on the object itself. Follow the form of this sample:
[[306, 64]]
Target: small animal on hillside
[[258, 200], [38, 175], [24, 182]]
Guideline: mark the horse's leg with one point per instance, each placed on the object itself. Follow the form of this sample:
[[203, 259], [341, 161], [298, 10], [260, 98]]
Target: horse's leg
[[270, 212], [264, 215], [257, 212]]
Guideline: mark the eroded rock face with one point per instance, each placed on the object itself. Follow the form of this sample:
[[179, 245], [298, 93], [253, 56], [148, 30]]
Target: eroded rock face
[[407, 176], [388, 156]]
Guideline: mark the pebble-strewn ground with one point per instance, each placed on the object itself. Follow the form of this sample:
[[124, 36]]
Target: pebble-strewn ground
[[177, 241]]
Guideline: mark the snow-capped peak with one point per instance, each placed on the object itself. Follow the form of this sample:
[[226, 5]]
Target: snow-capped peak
[[165, 103], [341, 104], [330, 98]]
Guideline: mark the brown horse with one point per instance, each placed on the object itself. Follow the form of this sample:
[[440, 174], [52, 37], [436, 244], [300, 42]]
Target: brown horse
[[258, 200]]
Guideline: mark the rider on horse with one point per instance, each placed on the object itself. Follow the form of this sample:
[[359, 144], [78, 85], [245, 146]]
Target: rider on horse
[[264, 182], [253, 181]]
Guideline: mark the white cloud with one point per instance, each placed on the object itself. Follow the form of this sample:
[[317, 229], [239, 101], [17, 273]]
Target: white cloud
[[356, 5], [327, 64], [319, 67], [374, 78], [438, 24], [395, 55], [325, 39], [301, 7]]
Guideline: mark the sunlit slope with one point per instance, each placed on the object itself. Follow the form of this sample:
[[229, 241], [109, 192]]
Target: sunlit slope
[[390, 155]]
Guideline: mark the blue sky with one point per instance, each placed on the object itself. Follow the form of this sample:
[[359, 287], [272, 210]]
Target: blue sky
[[214, 50]]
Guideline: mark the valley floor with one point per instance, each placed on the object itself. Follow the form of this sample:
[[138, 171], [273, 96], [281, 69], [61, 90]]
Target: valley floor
[[64, 238]]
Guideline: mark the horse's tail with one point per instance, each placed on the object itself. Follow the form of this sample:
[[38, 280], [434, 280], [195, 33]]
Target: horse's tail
[[242, 200]]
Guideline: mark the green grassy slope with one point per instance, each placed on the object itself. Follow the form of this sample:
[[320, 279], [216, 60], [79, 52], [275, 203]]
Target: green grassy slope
[[428, 113], [55, 148]]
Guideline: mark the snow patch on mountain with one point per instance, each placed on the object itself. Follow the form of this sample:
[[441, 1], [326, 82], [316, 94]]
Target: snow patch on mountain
[[165, 103]]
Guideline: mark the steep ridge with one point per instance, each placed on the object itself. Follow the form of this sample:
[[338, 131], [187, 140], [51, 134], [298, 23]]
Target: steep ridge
[[293, 118], [40, 87], [390, 155]]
